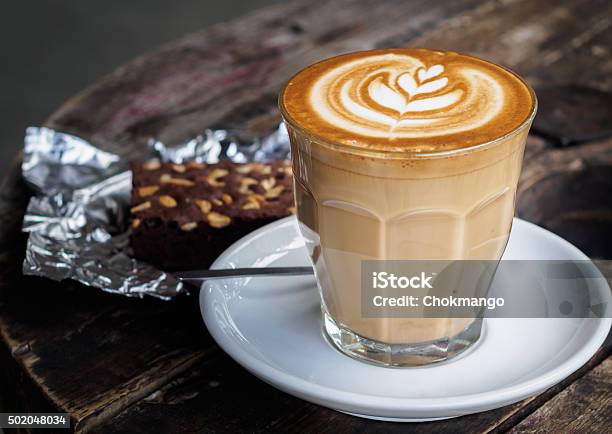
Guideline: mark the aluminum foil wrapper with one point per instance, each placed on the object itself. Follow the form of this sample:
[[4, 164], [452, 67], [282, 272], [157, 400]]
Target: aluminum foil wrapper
[[77, 220]]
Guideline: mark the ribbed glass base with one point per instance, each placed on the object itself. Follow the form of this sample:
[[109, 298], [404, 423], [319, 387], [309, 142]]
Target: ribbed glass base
[[400, 355]]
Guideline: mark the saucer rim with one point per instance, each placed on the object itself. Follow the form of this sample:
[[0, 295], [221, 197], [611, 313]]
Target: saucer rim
[[382, 406]]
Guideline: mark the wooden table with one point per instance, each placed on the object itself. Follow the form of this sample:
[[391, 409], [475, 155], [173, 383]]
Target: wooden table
[[127, 365]]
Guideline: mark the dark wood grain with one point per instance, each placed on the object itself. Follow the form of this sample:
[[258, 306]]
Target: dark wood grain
[[543, 41], [231, 73], [127, 365], [569, 191], [585, 406], [570, 114], [88, 353], [200, 399]]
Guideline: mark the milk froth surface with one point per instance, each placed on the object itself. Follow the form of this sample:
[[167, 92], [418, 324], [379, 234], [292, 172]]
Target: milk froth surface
[[407, 100]]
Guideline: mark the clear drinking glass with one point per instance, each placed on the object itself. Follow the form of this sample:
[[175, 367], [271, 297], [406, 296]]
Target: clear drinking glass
[[356, 204]]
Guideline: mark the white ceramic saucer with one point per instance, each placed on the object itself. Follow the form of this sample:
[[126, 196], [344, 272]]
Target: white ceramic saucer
[[271, 326]]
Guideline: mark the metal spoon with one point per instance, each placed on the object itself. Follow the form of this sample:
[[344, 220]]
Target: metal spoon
[[196, 275]]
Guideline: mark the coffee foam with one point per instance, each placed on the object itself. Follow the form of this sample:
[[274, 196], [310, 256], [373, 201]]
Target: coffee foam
[[407, 99]]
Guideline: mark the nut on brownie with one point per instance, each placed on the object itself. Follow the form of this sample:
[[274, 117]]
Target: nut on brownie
[[184, 215]]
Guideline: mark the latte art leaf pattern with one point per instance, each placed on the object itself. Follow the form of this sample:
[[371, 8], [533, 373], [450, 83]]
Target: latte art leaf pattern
[[386, 96], [421, 98], [402, 96]]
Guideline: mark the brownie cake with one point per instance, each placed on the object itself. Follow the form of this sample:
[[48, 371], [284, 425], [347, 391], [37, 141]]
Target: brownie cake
[[184, 215]]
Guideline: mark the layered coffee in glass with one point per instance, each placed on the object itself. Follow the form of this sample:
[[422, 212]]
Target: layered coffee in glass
[[403, 154]]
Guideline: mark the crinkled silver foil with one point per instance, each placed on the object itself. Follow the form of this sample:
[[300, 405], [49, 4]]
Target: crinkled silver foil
[[78, 220]]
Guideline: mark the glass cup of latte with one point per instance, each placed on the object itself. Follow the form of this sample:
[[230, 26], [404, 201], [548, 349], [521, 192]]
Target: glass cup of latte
[[403, 154]]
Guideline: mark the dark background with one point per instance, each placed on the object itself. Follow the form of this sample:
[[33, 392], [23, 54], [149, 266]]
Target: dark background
[[52, 49]]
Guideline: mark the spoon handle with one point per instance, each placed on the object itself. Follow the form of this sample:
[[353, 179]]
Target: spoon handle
[[242, 272]]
